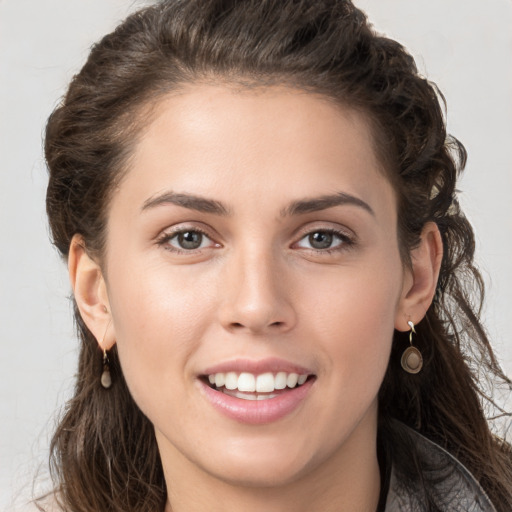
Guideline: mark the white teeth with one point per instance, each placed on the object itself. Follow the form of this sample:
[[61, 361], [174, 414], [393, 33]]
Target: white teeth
[[220, 379], [292, 380], [245, 396], [248, 396], [280, 382], [248, 383], [265, 383], [231, 380]]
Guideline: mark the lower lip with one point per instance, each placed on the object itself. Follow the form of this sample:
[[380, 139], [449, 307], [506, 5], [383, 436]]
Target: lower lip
[[257, 412]]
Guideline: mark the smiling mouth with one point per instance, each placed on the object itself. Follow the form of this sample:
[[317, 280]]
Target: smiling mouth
[[248, 386]]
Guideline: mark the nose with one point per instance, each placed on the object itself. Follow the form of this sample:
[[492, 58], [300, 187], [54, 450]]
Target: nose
[[256, 298]]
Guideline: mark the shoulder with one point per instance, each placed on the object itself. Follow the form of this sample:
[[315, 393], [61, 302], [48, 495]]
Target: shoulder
[[443, 482]]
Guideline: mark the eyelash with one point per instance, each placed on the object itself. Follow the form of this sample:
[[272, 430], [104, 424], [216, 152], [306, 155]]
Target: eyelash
[[346, 241], [164, 240]]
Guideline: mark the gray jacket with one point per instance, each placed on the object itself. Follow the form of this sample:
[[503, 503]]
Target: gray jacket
[[450, 485]]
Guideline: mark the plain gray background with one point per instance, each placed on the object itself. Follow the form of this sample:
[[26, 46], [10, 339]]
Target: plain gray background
[[464, 46]]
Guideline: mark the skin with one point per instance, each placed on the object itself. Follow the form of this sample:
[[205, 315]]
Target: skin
[[255, 289]]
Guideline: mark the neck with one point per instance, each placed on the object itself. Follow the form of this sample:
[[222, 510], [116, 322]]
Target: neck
[[347, 480]]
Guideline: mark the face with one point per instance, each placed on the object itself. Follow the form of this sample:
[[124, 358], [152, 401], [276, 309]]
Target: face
[[251, 244]]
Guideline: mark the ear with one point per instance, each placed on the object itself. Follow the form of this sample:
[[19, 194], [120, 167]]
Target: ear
[[420, 281], [90, 291]]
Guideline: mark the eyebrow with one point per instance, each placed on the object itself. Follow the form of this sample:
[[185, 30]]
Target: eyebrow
[[200, 204], [324, 202], [300, 207]]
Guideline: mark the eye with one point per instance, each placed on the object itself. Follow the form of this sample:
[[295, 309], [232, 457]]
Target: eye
[[186, 240], [324, 240]]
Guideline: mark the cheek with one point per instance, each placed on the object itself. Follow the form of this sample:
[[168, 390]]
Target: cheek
[[354, 316], [159, 322], [150, 298]]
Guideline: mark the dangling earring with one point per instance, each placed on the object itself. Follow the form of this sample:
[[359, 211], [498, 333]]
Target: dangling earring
[[412, 361], [106, 378]]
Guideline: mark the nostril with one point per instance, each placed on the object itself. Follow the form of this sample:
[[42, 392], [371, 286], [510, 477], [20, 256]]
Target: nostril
[[238, 325]]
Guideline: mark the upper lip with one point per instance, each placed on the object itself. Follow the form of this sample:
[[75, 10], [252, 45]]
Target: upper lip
[[257, 367]]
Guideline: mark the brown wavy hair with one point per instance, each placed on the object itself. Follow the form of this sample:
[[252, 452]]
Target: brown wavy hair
[[104, 454]]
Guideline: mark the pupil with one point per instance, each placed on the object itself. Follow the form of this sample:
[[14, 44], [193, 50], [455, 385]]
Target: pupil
[[320, 240], [190, 240]]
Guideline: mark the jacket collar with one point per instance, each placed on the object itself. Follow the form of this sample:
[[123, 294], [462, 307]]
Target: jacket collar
[[446, 480]]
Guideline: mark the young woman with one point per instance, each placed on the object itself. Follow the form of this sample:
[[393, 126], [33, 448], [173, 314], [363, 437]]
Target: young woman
[[271, 272]]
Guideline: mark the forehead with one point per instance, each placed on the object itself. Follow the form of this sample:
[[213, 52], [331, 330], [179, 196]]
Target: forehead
[[211, 112], [215, 139]]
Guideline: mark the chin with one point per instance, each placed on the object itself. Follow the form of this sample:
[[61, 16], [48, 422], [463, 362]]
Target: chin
[[262, 465], [262, 476]]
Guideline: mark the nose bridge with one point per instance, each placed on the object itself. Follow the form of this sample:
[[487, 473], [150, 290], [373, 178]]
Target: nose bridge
[[255, 298]]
